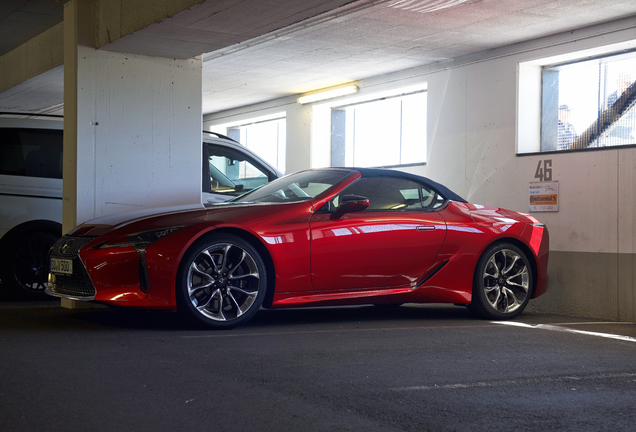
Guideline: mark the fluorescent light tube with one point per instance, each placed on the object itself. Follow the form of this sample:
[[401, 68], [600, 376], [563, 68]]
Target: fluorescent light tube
[[328, 94]]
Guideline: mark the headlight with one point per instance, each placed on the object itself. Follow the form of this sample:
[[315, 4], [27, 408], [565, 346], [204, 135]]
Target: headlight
[[140, 240]]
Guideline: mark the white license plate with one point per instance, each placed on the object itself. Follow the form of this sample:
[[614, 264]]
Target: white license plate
[[63, 266]]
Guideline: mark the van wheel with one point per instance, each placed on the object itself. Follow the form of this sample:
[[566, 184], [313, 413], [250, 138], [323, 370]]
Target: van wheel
[[26, 266]]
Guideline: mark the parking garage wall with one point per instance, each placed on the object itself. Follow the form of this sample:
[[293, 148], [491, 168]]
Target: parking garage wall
[[472, 139]]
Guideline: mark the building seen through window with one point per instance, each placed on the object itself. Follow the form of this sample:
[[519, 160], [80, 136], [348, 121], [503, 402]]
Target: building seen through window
[[589, 103], [566, 134]]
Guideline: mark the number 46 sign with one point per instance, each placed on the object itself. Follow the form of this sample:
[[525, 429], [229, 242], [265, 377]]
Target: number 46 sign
[[544, 194], [544, 170]]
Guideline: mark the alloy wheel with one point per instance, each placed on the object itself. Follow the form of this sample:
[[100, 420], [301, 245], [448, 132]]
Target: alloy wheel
[[506, 281], [223, 282]]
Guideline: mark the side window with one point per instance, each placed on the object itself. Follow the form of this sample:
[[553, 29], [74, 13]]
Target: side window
[[385, 193], [230, 172], [31, 152], [390, 193], [431, 199]]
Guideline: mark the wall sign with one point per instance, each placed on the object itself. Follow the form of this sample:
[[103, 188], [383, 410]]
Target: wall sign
[[544, 197], [544, 170]]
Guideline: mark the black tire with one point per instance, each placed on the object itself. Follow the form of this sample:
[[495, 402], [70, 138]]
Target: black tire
[[222, 281], [26, 266], [502, 284]]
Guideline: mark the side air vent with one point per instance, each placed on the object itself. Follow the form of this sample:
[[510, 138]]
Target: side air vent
[[432, 273]]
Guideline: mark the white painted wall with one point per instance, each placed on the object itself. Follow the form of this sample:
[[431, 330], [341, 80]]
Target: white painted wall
[[479, 114], [139, 132]]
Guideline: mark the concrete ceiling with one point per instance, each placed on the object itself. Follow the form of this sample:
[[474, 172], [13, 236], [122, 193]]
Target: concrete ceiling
[[258, 50], [367, 39]]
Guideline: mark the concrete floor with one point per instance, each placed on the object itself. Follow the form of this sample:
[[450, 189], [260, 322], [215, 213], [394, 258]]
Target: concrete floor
[[413, 368]]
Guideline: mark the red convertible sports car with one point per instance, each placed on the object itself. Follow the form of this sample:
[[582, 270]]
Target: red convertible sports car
[[334, 236]]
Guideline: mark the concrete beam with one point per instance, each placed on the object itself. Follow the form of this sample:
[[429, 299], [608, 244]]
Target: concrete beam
[[37, 56], [105, 22]]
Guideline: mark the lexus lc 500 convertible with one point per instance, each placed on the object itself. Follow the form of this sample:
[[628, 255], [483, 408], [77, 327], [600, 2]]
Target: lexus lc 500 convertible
[[334, 236]]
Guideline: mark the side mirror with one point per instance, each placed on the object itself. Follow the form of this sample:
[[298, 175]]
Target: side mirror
[[350, 204]]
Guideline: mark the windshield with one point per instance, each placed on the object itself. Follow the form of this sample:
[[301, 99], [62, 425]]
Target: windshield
[[300, 186]]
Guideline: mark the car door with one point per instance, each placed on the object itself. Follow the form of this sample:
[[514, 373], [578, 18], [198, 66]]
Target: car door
[[390, 244]]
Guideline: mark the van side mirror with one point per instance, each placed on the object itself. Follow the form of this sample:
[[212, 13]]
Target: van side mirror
[[350, 204]]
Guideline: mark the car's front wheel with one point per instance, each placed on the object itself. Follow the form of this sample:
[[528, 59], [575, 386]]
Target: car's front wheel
[[222, 281], [502, 284]]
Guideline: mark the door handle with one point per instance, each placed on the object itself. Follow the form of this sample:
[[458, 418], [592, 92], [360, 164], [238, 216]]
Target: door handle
[[426, 228]]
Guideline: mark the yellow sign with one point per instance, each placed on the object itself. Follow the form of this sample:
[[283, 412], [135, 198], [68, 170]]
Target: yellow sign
[[543, 200]]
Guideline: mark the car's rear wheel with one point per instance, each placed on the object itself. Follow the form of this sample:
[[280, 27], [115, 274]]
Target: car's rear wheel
[[502, 285], [222, 281]]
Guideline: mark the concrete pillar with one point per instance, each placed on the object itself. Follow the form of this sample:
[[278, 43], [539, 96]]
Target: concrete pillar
[[71, 42], [132, 126], [298, 119]]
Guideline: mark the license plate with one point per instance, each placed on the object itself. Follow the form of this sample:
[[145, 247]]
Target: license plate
[[63, 266]]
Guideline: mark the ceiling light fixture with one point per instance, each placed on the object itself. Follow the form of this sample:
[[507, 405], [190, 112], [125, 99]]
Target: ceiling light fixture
[[328, 94], [424, 6]]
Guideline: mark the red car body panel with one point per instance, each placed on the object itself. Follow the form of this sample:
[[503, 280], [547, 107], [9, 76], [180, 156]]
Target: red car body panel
[[345, 253], [363, 257], [287, 243]]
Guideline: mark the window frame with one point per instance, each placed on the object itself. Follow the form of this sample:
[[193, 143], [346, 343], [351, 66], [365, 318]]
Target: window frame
[[529, 97], [605, 109]]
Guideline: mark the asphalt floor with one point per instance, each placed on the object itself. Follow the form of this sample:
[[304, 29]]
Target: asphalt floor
[[412, 368]]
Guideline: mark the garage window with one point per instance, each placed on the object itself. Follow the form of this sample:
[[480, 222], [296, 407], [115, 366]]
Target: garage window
[[265, 138], [589, 104], [380, 133]]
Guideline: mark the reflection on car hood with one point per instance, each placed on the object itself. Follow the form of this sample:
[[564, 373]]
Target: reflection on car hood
[[488, 215], [122, 219], [156, 218]]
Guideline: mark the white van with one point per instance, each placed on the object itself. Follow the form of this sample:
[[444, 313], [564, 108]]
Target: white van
[[31, 192]]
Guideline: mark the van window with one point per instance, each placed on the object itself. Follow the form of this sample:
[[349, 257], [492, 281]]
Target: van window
[[230, 172], [31, 152]]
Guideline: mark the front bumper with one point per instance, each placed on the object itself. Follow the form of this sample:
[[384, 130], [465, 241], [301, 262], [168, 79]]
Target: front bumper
[[78, 284], [119, 276]]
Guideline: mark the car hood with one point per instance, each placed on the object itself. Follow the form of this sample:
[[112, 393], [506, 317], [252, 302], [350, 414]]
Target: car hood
[[166, 217], [119, 220]]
